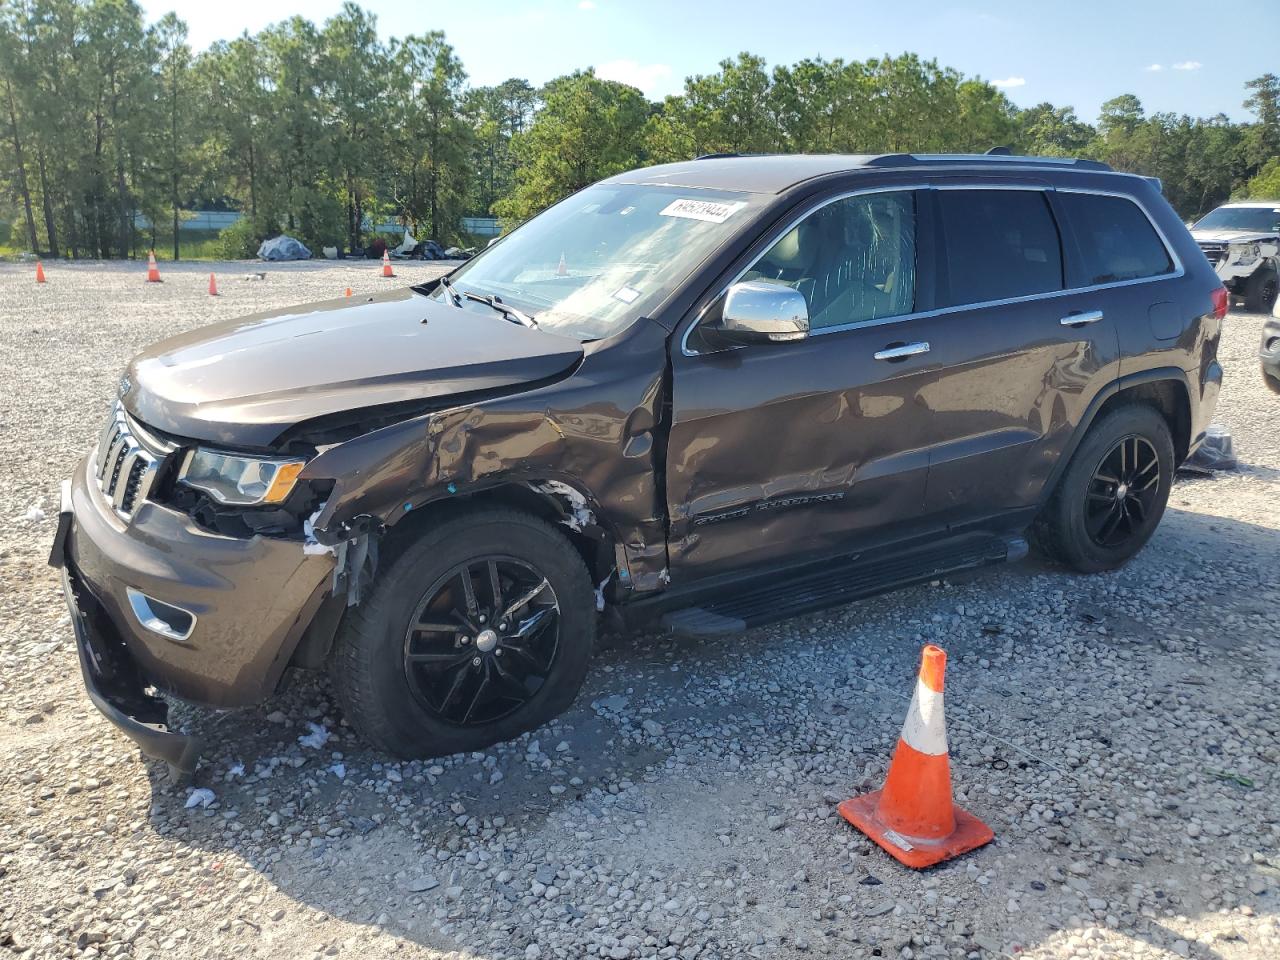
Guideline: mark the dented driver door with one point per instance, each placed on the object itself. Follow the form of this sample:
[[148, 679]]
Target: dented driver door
[[783, 452]]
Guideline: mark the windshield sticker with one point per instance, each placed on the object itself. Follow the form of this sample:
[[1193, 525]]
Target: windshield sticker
[[626, 294], [710, 211]]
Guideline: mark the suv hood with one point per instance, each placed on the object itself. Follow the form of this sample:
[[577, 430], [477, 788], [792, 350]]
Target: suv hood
[[1230, 236], [242, 383]]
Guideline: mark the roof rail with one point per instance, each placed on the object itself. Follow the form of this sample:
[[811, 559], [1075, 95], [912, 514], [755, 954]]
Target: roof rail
[[910, 159], [718, 156]]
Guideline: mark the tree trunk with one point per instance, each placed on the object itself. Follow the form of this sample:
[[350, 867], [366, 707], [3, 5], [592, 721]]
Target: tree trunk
[[173, 159], [50, 223], [122, 192], [253, 185], [22, 171]]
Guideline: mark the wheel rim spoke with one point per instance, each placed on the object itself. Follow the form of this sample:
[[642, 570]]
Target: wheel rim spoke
[[475, 698], [437, 626], [531, 626], [440, 660], [467, 659], [524, 599], [459, 677], [1120, 496], [469, 593], [495, 584]]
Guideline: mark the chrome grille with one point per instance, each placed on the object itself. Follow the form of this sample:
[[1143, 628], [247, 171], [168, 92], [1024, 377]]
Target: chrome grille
[[1216, 252], [126, 462]]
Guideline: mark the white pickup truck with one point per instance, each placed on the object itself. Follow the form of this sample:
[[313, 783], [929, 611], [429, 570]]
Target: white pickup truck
[[1242, 241]]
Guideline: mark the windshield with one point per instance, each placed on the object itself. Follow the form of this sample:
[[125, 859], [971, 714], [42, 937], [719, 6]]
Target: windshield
[[1252, 219], [592, 264]]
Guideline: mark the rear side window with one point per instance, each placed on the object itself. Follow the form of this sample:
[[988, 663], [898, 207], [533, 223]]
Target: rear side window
[[1117, 241], [999, 244]]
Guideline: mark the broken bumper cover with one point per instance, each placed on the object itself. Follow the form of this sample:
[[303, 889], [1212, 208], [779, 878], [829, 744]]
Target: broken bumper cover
[[246, 602], [114, 687]]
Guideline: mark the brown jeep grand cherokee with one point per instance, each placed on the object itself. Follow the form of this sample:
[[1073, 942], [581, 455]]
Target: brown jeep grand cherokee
[[704, 394]]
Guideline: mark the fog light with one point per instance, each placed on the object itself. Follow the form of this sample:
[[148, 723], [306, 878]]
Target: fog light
[[159, 617]]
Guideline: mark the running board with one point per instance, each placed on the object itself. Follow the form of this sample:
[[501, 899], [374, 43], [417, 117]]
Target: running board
[[818, 586]]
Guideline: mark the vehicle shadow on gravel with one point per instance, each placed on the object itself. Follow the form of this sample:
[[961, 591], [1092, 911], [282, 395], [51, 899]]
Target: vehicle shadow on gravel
[[689, 760]]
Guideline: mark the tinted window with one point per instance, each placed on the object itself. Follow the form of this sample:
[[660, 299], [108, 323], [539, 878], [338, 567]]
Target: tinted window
[[854, 259], [1117, 240], [999, 244]]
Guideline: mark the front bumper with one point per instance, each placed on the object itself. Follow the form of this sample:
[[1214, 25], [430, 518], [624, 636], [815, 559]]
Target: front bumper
[[1269, 354], [251, 600]]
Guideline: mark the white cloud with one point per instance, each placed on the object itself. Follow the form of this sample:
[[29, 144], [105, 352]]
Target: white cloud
[[1008, 83], [649, 78], [1154, 68], [1188, 65], [586, 5]]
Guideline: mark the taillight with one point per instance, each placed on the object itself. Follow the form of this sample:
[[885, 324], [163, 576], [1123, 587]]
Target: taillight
[[1221, 301]]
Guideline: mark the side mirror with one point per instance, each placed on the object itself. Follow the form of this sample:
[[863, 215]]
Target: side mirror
[[757, 311]]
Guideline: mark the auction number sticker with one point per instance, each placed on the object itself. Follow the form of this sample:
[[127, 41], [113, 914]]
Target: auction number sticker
[[710, 211]]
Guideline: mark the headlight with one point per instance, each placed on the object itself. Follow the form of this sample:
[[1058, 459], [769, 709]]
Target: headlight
[[1243, 253], [240, 480]]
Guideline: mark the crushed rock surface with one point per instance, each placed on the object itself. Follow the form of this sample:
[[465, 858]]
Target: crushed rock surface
[[1118, 732]]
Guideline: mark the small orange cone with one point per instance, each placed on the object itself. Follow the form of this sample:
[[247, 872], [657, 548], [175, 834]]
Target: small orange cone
[[153, 272], [213, 286], [39, 272], [912, 816], [348, 293], [562, 270], [386, 264]]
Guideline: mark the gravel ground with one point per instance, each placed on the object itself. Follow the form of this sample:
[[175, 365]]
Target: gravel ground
[[1118, 732]]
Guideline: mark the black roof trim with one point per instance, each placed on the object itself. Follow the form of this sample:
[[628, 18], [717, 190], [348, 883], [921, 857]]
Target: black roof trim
[[982, 159]]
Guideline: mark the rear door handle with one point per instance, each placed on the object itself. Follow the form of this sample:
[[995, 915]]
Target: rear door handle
[[1081, 318], [902, 351]]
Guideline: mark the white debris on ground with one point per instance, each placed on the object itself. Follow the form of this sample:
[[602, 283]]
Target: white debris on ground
[[317, 738], [1118, 732], [200, 797]]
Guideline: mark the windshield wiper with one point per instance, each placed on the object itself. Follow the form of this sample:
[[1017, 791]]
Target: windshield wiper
[[495, 303], [447, 286]]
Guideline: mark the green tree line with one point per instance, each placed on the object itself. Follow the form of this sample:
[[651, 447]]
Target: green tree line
[[107, 122]]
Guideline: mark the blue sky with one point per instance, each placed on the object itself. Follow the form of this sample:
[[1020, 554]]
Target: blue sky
[[1176, 55]]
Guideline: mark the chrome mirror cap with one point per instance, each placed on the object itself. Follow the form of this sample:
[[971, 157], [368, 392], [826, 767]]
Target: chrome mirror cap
[[759, 310]]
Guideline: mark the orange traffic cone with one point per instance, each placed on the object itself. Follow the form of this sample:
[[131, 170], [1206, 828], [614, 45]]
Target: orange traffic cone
[[153, 272], [39, 272], [562, 270], [348, 293], [213, 286], [386, 264], [912, 816]]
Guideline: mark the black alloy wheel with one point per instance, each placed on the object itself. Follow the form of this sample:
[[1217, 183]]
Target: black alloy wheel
[[482, 641], [1122, 492]]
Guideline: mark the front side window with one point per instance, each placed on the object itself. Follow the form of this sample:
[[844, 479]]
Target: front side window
[[592, 264], [854, 259], [999, 245], [1116, 239]]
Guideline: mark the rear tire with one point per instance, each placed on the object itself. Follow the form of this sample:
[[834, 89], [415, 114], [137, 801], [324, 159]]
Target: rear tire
[[405, 663], [1110, 500], [1260, 290]]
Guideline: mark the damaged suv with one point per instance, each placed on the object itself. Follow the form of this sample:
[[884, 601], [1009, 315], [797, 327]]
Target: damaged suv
[[1242, 241], [700, 396]]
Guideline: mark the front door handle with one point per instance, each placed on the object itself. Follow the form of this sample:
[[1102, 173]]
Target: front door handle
[[902, 351], [1081, 318]]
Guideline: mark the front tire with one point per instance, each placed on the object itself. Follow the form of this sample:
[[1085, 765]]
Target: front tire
[[481, 629], [1260, 291], [1113, 493]]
